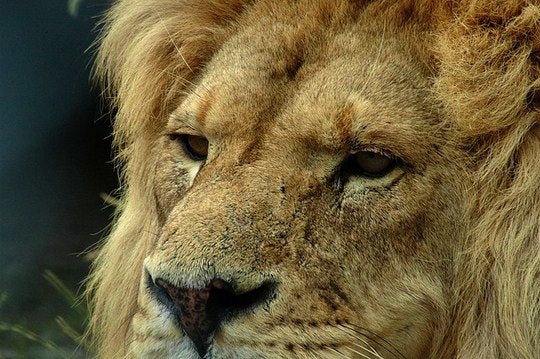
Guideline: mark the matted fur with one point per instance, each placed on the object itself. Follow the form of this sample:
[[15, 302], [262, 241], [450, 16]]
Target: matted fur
[[484, 58]]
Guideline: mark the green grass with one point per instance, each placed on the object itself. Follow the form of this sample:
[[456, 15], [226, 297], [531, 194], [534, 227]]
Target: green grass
[[63, 338]]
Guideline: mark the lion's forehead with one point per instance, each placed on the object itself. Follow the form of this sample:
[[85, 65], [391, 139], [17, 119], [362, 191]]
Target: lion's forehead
[[358, 85]]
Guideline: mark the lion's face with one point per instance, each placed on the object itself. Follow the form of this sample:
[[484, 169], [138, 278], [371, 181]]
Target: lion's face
[[307, 200], [322, 179]]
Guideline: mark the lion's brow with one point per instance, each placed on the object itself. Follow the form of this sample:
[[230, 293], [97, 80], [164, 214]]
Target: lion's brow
[[185, 118]]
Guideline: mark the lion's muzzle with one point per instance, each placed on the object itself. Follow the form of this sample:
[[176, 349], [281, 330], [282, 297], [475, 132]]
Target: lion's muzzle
[[200, 311]]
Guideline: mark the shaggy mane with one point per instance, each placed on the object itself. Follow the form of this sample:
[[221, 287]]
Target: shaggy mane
[[487, 77]]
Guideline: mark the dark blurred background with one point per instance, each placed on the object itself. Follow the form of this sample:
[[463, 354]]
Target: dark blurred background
[[54, 164]]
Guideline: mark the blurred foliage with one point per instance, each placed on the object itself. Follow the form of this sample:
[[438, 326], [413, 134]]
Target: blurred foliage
[[45, 323], [74, 6], [23, 339]]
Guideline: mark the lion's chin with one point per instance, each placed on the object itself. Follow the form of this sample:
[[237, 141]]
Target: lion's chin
[[183, 349], [159, 348], [155, 335]]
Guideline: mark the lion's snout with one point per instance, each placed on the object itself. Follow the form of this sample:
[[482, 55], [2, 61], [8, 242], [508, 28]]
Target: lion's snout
[[200, 310]]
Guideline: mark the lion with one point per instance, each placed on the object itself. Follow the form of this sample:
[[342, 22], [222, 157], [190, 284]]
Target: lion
[[322, 179]]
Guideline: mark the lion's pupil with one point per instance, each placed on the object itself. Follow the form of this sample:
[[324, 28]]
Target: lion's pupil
[[197, 146], [373, 164]]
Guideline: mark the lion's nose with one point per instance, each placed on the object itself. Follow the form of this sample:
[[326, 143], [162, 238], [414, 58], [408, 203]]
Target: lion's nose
[[201, 311]]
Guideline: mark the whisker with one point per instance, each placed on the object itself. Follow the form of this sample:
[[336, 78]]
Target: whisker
[[338, 353], [361, 354], [374, 336], [185, 81], [171, 39], [369, 349], [173, 42]]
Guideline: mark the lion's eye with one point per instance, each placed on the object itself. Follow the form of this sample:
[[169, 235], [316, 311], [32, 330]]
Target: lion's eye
[[370, 164], [196, 147]]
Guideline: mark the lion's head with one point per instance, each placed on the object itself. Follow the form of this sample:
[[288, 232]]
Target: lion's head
[[322, 179]]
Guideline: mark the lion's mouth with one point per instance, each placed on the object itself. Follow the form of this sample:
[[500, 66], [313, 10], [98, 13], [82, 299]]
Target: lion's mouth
[[200, 311]]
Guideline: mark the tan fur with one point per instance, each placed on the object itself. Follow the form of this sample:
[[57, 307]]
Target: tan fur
[[439, 259]]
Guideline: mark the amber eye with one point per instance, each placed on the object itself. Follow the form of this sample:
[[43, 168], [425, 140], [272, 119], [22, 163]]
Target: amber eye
[[196, 147], [370, 164]]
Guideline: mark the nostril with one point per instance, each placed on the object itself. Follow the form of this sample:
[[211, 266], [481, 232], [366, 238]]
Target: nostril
[[227, 303], [160, 294], [200, 311]]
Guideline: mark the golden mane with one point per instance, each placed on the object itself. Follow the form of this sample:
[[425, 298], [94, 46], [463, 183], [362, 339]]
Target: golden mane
[[487, 75]]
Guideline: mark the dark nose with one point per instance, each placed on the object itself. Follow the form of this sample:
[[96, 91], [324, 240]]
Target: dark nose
[[201, 311]]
